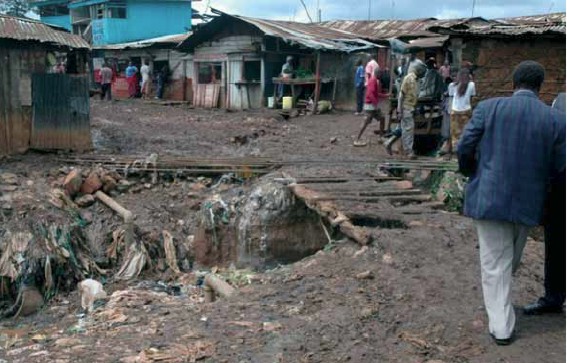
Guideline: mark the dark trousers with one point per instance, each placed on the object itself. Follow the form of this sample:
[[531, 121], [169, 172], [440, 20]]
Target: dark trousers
[[160, 86], [359, 98], [555, 246], [106, 90]]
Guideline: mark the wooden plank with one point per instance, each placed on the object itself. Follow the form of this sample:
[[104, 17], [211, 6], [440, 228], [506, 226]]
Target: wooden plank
[[330, 211]]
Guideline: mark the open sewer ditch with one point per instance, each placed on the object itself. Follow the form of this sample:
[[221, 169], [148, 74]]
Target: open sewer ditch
[[85, 231]]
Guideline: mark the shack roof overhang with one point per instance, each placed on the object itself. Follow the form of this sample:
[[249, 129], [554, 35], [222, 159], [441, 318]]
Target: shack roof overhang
[[506, 31], [29, 30], [310, 36], [43, 3], [165, 42]]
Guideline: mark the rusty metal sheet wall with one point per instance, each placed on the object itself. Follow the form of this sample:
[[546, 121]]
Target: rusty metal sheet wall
[[60, 112], [15, 96]]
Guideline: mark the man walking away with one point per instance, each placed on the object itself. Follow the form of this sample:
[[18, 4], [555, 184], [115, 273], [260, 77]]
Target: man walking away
[[509, 149], [106, 82], [359, 84], [407, 100], [554, 231], [371, 100]]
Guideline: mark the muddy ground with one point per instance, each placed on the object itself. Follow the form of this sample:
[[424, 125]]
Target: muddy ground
[[422, 300]]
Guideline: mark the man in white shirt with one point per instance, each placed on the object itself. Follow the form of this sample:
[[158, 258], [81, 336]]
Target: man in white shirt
[[145, 71]]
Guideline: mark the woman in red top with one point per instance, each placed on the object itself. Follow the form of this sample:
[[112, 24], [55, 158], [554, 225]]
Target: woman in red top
[[373, 96]]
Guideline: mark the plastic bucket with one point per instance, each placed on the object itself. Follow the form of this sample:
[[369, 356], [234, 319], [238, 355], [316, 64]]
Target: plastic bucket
[[287, 103], [270, 102]]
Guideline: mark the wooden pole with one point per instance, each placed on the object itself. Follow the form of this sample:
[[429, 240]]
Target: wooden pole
[[317, 82]]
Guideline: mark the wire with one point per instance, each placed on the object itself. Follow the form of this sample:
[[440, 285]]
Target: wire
[[306, 11]]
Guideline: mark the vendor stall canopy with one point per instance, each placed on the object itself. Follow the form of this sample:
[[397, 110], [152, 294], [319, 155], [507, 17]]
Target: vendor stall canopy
[[311, 36]]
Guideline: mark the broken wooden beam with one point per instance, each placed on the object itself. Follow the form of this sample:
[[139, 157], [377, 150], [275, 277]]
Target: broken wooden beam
[[328, 210]]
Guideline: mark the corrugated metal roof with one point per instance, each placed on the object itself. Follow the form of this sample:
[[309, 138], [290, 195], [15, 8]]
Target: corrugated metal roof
[[312, 36], [382, 30], [526, 27], [32, 30], [172, 40], [542, 18]]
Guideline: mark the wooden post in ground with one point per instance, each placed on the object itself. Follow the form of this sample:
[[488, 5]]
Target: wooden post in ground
[[317, 82]]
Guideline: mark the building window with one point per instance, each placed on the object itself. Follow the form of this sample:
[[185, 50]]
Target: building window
[[210, 73], [116, 9], [116, 13], [252, 71], [54, 10]]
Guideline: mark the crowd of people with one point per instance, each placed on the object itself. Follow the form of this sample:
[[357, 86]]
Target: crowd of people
[[139, 80], [513, 151]]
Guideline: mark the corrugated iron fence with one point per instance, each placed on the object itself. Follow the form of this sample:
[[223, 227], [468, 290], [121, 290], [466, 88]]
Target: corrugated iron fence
[[60, 112], [55, 115]]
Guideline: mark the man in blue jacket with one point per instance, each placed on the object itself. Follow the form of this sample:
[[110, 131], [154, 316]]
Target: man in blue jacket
[[511, 148]]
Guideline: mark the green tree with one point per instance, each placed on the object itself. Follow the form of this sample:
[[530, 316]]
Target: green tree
[[15, 7]]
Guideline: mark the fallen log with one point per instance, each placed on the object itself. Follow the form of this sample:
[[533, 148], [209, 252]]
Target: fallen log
[[220, 287]]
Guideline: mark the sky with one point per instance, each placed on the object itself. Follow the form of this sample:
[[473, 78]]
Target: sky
[[383, 9]]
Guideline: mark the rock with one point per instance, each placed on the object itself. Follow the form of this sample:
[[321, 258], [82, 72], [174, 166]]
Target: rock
[[273, 226], [271, 326], [366, 275], [333, 140], [8, 178], [404, 184], [415, 224], [387, 259], [85, 201], [6, 206], [108, 183], [67, 342], [123, 186], [8, 188], [73, 182], [91, 184], [39, 338]]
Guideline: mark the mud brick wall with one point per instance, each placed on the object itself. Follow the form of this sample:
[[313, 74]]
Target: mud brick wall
[[496, 59]]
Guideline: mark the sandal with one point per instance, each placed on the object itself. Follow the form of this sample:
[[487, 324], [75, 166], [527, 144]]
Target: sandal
[[359, 143]]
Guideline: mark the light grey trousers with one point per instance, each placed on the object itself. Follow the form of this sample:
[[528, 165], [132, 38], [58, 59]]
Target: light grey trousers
[[408, 126], [501, 246]]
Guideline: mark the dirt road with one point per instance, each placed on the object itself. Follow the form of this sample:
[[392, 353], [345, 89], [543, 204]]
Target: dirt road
[[414, 295]]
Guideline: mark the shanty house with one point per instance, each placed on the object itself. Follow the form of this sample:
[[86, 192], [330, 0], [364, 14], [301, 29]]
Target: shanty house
[[40, 109], [158, 52], [423, 42], [235, 60], [495, 50]]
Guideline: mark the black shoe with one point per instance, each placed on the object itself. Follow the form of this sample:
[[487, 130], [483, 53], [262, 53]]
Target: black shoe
[[506, 341], [542, 306]]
